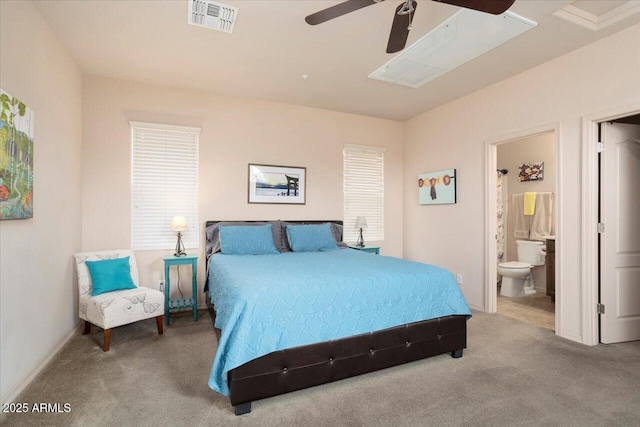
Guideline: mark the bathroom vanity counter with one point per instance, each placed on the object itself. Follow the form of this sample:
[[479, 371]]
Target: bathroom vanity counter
[[551, 267]]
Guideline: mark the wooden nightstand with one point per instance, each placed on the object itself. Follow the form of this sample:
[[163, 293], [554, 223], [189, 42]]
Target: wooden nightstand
[[181, 302], [370, 249]]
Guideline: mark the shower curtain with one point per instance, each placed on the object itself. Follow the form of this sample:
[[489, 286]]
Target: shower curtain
[[500, 225]]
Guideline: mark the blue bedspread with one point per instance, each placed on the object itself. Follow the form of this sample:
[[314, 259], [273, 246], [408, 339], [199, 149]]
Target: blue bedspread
[[266, 303]]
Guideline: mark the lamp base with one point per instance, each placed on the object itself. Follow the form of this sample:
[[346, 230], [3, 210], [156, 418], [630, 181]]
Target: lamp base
[[360, 242], [180, 247]]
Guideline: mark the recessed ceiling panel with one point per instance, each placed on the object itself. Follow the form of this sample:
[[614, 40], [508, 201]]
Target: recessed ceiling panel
[[596, 15], [598, 7]]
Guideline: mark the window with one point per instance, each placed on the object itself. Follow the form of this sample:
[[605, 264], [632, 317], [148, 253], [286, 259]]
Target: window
[[363, 191], [164, 184]]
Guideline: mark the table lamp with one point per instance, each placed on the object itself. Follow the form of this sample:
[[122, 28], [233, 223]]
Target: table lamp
[[179, 224], [361, 222]]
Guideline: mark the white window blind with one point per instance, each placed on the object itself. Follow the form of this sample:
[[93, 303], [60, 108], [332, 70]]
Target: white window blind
[[164, 184], [363, 191]]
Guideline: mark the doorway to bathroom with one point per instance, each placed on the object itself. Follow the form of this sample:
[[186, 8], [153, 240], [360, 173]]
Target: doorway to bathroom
[[522, 210]]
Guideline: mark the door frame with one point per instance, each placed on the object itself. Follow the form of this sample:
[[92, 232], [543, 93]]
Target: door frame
[[590, 179], [491, 223]]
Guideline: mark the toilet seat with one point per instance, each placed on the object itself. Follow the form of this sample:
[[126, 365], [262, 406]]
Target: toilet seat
[[515, 276], [514, 265]]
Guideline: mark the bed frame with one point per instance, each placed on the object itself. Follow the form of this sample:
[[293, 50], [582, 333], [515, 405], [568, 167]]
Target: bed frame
[[302, 367]]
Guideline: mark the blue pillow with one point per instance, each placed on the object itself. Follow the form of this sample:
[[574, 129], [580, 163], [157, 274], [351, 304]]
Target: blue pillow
[[311, 238], [247, 240], [110, 275]]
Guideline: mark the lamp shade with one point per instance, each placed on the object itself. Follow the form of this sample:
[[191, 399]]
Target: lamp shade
[[361, 222], [179, 223]]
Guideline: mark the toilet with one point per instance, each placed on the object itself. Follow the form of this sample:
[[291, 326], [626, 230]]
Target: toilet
[[517, 280]]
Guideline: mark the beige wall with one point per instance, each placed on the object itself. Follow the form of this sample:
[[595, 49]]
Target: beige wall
[[595, 78], [235, 132], [81, 197], [38, 297], [510, 155]]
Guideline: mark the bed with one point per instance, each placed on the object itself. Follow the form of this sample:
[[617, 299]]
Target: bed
[[291, 320]]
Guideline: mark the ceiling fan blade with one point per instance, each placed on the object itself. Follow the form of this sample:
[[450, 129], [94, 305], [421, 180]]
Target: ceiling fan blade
[[495, 7], [338, 10], [400, 29]]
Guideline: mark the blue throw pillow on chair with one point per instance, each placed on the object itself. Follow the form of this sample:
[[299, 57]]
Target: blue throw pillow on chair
[[110, 275]]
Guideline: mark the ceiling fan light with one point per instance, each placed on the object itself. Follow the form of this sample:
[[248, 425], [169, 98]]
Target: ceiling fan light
[[461, 38]]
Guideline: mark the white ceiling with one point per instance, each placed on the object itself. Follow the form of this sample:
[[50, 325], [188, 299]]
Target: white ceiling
[[272, 47]]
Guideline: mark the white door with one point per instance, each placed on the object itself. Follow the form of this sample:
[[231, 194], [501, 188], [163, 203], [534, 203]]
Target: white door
[[620, 241]]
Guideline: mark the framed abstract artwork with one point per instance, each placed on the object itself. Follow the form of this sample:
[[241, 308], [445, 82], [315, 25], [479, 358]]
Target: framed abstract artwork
[[437, 188], [277, 184], [531, 171], [16, 158]]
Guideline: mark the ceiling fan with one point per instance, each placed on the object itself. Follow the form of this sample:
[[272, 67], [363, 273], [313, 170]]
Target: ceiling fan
[[404, 15]]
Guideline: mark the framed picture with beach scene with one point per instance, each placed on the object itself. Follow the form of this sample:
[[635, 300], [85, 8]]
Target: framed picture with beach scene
[[277, 184]]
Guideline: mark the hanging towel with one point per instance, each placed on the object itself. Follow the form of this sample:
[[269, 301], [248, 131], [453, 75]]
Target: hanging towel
[[529, 203], [520, 222], [542, 220]]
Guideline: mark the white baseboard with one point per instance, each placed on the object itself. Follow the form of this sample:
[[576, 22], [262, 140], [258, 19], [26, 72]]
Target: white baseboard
[[575, 338], [476, 307], [12, 394]]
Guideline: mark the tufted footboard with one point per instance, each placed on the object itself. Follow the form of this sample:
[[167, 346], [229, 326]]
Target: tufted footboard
[[307, 366]]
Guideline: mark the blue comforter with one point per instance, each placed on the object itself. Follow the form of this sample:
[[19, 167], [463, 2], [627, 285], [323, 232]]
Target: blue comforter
[[266, 303]]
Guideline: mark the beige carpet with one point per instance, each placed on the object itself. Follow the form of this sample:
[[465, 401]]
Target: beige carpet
[[512, 374]]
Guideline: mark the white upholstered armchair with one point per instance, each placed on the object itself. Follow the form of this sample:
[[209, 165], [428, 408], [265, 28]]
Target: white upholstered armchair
[[118, 307]]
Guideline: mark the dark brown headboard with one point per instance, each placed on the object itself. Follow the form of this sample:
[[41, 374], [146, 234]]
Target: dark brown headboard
[[209, 223]]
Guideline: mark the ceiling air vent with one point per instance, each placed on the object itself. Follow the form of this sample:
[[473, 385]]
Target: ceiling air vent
[[461, 38], [212, 15]]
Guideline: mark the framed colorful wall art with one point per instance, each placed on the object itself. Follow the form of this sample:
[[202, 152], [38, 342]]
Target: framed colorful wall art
[[16, 158], [437, 188]]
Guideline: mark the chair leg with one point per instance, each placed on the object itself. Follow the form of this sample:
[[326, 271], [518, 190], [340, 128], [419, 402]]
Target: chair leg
[[87, 328], [159, 323], [107, 339]]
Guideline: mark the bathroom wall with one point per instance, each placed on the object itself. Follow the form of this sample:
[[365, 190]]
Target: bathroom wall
[[510, 155]]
